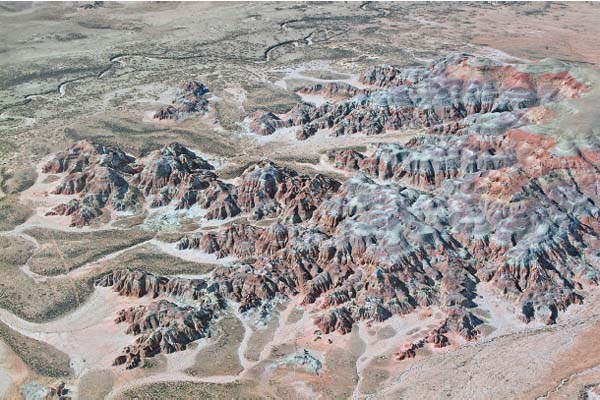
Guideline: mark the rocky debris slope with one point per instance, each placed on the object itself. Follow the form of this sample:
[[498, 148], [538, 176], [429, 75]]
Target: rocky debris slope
[[371, 249], [346, 159], [448, 96], [174, 172], [333, 90], [174, 175], [428, 161], [368, 252], [499, 208], [98, 175], [104, 178], [184, 310], [164, 326], [190, 99], [526, 216], [60, 392], [161, 327], [419, 226], [264, 123], [268, 189]]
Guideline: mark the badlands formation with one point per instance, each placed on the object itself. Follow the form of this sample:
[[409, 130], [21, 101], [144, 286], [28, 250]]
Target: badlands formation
[[341, 227]]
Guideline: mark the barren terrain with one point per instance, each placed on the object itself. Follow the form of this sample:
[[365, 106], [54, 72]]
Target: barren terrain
[[299, 200]]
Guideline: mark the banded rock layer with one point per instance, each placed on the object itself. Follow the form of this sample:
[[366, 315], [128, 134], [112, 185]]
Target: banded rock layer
[[190, 99], [163, 326], [420, 226], [174, 175], [448, 96], [98, 175]]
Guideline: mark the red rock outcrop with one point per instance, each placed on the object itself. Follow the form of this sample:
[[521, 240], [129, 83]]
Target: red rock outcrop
[[162, 327], [105, 178], [429, 161], [437, 337], [190, 99], [264, 123], [60, 391], [235, 240], [98, 175], [268, 189], [420, 225], [389, 76], [135, 283], [335, 320], [345, 159], [174, 175], [306, 131], [445, 97], [409, 351], [85, 153], [333, 90], [174, 172]]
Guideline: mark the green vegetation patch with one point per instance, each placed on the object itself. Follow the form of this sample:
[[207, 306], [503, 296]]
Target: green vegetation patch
[[221, 356], [12, 213], [39, 356], [61, 252], [31, 300], [193, 391]]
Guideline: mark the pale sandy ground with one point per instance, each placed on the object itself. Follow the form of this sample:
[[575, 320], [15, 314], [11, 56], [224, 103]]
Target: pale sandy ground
[[502, 315], [404, 328], [5, 379], [246, 364], [179, 362], [12, 371], [299, 73], [285, 333], [284, 141], [88, 335], [190, 255], [553, 355]]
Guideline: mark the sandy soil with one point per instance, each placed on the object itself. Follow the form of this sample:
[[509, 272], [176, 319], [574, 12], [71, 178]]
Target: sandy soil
[[88, 335], [5, 380]]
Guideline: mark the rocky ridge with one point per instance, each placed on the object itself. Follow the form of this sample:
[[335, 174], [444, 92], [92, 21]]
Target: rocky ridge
[[428, 221], [190, 98], [163, 326], [105, 179], [451, 95], [420, 226], [174, 175], [98, 175]]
